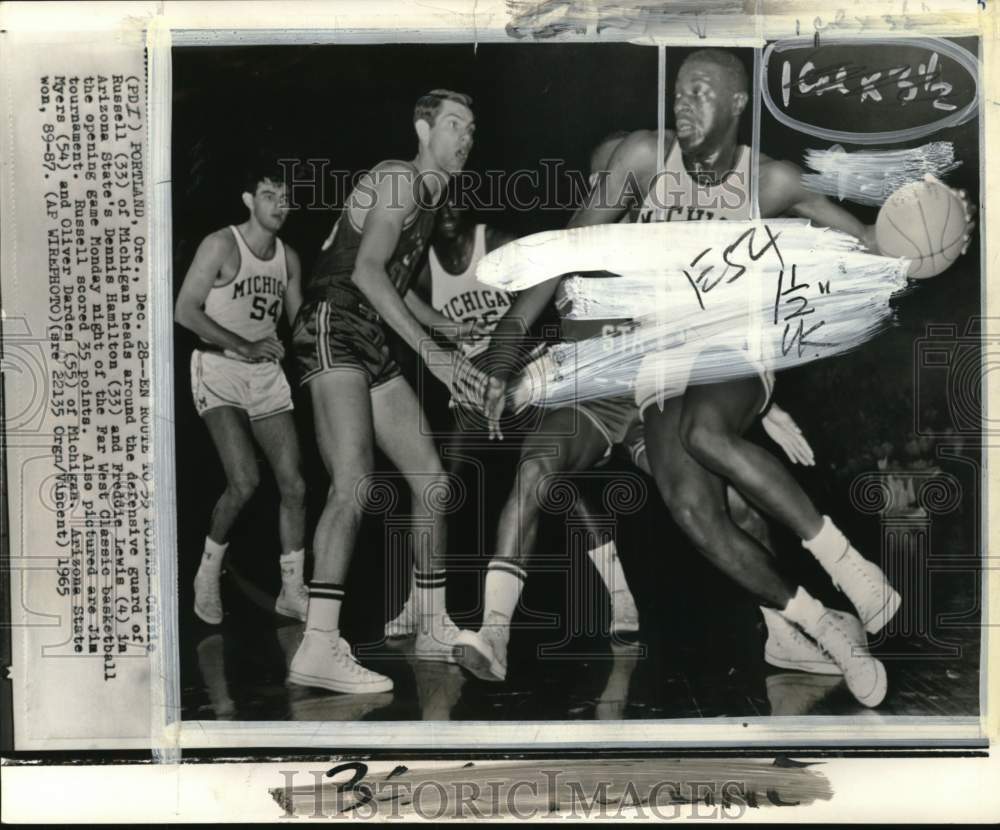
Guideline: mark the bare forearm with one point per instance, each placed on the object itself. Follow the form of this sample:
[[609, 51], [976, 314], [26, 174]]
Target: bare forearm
[[380, 292], [197, 321], [508, 336], [424, 313]]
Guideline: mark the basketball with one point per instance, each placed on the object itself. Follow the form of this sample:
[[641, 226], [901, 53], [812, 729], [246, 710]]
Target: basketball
[[925, 222]]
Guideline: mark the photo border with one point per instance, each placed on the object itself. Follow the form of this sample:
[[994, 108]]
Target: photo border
[[674, 30]]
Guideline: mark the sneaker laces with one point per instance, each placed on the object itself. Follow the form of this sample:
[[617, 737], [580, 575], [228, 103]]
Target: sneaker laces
[[494, 630], [832, 629], [342, 650]]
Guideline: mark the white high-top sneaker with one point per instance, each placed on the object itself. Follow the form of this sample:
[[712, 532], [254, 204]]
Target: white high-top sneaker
[[207, 597], [436, 639], [842, 639], [788, 648], [861, 581], [293, 601], [484, 652], [327, 662]]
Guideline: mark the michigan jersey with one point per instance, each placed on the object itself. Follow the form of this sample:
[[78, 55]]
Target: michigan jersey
[[461, 297], [250, 304], [676, 196]]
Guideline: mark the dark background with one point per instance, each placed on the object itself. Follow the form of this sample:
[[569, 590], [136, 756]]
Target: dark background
[[353, 106]]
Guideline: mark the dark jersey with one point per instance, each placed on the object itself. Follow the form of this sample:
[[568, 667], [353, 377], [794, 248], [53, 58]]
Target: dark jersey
[[335, 265]]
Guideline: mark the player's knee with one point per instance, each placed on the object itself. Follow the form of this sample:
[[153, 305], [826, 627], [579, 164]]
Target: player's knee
[[435, 490], [292, 488], [739, 510], [546, 488], [353, 495], [704, 441], [244, 484]]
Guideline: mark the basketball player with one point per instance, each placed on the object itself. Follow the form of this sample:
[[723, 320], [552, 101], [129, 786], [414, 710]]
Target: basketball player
[[359, 396], [695, 443], [232, 297], [570, 439], [450, 283]]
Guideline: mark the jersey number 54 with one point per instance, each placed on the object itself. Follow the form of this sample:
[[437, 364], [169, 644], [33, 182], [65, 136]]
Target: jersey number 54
[[260, 308]]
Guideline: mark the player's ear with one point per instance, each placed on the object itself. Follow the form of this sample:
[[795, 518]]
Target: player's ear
[[248, 200], [423, 131], [740, 100]]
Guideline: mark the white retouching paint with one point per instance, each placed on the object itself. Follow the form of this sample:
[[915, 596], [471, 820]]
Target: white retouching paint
[[869, 177], [697, 294]]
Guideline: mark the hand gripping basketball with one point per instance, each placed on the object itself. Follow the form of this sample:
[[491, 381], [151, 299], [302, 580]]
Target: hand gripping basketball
[[927, 222]]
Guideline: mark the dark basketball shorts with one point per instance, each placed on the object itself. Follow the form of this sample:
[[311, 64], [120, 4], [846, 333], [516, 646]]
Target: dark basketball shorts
[[613, 417], [336, 335]]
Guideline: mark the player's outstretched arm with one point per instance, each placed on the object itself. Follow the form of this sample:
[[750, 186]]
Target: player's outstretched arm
[[505, 354], [190, 308], [430, 317], [293, 292], [782, 193], [510, 330]]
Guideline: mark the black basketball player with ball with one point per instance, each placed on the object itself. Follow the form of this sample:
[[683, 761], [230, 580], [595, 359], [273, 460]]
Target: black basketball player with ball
[[695, 438]]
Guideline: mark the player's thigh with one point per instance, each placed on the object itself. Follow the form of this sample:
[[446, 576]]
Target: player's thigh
[[397, 417], [728, 406], [342, 413], [229, 428], [279, 441], [566, 440], [677, 473]]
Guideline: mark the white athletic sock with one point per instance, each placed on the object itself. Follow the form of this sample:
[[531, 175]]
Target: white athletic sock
[[428, 591], [504, 582], [211, 558], [804, 609], [609, 567], [292, 564], [325, 599], [830, 546]]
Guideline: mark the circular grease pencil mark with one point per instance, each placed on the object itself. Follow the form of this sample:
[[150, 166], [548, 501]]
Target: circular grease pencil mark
[[881, 72]]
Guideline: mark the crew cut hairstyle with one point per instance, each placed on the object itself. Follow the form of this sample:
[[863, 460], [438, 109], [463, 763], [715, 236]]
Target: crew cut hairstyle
[[428, 106], [724, 60]]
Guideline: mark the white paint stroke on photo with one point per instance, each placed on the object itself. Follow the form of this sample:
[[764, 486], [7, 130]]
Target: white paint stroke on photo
[[782, 293], [869, 177]]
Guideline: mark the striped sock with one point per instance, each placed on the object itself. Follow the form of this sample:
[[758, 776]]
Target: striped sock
[[325, 599], [428, 587], [504, 582]]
